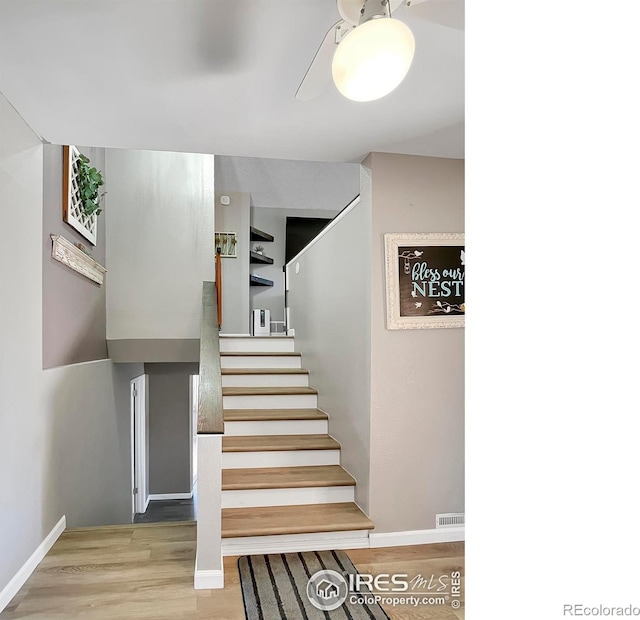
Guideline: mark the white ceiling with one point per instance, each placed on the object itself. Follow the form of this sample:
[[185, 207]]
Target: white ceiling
[[208, 76]]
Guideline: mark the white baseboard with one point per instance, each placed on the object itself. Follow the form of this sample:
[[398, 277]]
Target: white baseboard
[[166, 496], [20, 578], [291, 543], [416, 537], [208, 579]]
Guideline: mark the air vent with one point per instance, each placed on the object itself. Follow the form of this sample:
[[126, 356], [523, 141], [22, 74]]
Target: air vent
[[450, 519]]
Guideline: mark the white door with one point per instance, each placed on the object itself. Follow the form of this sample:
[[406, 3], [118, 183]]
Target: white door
[[139, 422]]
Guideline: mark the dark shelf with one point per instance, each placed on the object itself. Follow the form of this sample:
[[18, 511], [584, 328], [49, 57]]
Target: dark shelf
[[258, 281], [254, 257], [258, 235]]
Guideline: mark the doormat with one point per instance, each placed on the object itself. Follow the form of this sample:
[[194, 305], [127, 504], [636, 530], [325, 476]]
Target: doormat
[[303, 586]]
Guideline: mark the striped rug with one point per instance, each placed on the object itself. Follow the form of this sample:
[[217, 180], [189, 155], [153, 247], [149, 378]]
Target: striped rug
[[274, 587]]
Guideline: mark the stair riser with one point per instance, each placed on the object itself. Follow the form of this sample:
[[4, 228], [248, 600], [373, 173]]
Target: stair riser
[[286, 497], [277, 427], [297, 380], [280, 458], [260, 361], [268, 401], [294, 543], [256, 344]]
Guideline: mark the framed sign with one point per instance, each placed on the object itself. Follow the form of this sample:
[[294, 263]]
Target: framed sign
[[425, 280]]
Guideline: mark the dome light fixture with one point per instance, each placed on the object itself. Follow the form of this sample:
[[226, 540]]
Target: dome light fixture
[[374, 58]]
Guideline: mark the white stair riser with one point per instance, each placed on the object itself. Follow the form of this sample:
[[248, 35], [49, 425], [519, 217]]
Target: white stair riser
[[286, 497], [260, 361], [280, 458], [294, 543], [256, 344], [277, 427], [297, 380], [267, 401]]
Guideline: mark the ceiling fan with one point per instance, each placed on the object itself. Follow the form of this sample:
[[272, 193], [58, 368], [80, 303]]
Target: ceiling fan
[[368, 51]]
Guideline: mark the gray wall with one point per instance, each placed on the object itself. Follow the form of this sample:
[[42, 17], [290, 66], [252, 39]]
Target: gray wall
[[287, 184], [64, 432], [417, 376], [330, 312], [169, 439], [73, 307], [159, 243], [274, 222], [235, 217]]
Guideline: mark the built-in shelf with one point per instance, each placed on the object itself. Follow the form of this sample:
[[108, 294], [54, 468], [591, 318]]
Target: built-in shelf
[[258, 281], [259, 259], [259, 235]]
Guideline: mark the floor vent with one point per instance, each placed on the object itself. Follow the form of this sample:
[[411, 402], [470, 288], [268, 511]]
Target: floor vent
[[450, 519]]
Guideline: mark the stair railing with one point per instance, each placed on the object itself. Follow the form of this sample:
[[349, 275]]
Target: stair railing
[[219, 286], [208, 569]]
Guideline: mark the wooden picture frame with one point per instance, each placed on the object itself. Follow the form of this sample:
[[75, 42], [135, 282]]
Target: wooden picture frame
[[425, 280]]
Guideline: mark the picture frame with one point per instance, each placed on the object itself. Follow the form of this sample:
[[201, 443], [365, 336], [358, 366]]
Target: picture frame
[[424, 275], [72, 209], [228, 244]]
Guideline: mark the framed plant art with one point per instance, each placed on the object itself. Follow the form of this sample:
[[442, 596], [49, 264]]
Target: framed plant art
[[81, 194], [425, 280]]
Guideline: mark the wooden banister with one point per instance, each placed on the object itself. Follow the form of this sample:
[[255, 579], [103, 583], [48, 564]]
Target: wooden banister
[[210, 418], [219, 286]]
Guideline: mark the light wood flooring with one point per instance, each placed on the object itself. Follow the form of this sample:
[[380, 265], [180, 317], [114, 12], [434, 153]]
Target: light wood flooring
[[146, 571]]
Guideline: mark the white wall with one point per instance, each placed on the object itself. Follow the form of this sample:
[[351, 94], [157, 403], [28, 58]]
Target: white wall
[[64, 440], [330, 312], [274, 222], [159, 242]]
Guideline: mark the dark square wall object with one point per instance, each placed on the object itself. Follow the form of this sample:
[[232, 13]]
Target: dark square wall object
[[301, 230]]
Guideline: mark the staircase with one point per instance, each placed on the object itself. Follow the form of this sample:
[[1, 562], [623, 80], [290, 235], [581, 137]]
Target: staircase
[[283, 488]]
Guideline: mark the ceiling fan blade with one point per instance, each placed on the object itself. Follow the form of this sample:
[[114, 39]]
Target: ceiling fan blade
[[318, 77], [448, 13]]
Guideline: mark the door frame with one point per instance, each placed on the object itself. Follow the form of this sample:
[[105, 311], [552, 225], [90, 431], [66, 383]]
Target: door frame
[[194, 383], [139, 443]]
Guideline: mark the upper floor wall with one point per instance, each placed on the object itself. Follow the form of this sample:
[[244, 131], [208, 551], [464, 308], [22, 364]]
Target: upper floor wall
[[159, 242]]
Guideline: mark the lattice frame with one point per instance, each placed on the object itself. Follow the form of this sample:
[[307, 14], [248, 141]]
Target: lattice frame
[[73, 210]]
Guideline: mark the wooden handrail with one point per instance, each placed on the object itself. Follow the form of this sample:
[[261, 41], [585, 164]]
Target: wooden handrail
[[210, 418], [219, 286]]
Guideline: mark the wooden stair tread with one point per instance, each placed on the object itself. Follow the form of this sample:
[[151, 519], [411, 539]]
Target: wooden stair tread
[[262, 415], [267, 391], [260, 354], [306, 519], [265, 371], [273, 443], [286, 477]]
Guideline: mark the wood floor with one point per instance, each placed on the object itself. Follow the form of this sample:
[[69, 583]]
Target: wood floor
[[146, 571]]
